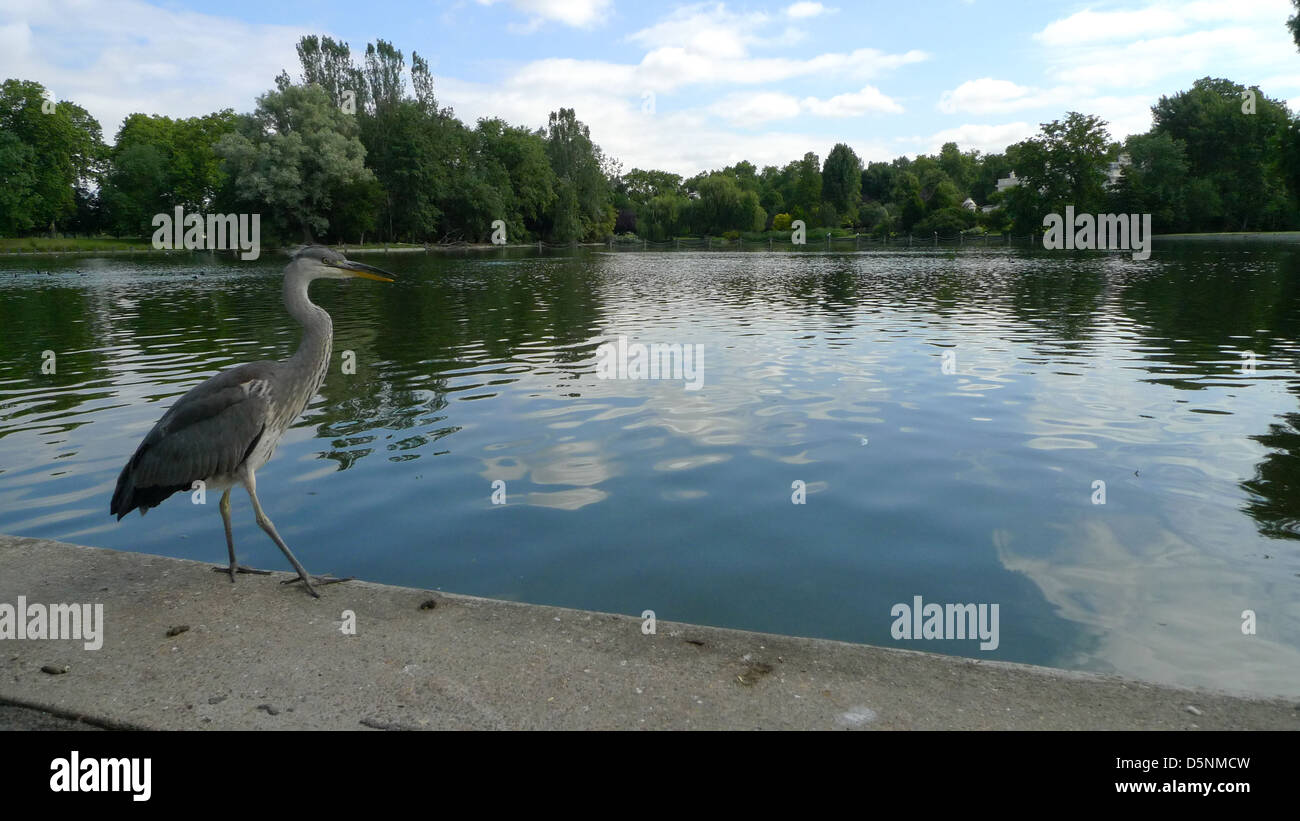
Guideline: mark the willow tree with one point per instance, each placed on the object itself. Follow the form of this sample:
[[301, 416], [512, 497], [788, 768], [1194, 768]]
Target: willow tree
[[293, 156]]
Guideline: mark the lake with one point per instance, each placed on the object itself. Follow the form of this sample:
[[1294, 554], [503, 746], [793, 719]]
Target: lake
[[1107, 449]]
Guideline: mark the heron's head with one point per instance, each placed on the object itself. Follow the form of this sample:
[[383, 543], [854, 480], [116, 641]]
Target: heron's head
[[319, 262]]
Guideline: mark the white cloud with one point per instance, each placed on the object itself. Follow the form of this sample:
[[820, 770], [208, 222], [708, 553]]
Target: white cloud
[[1160, 42], [1129, 114], [1147, 62], [134, 56], [1277, 87], [804, 10], [547, 84], [15, 41], [1115, 62], [1124, 115], [708, 43], [987, 96], [1089, 26], [563, 75], [986, 138], [758, 107], [129, 56], [755, 108], [1159, 19], [1275, 81], [576, 13], [707, 30], [853, 104], [673, 67], [702, 46], [683, 142], [715, 53]]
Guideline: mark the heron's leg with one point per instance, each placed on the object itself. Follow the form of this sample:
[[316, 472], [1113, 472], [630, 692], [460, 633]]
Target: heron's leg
[[320, 581], [235, 567], [264, 522]]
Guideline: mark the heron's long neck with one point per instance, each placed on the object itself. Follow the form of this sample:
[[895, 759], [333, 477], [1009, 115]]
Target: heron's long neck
[[311, 360]]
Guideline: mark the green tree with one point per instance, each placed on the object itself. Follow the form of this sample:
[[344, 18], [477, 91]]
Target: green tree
[[328, 63], [583, 207], [1155, 182], [50, 150], [421, 155], [937, 188], [943, 196], [354, 209], [878, 181], [1070, 161], [18, 198], [946, 222], [723, 205], [961, 168], [996, 221], [842, 181], [407, 151], [513, 162], [137, 187], [770, 195], [805, 186], [906, 195], [293, 156], [989, 169], [1243, 154], [825, 216], [1293, 23], [662, 216], [643, 186], [1064, 165], [875, 218], [745, 175], [159, 163], [385, 75]]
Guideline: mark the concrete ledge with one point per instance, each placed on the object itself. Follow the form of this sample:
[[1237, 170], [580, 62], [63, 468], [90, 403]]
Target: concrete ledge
[[261, 655]]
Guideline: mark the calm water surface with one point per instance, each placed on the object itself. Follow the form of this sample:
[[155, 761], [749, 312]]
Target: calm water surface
[[970, 486]]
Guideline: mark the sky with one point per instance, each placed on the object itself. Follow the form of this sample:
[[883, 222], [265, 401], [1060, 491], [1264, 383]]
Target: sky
[[684, 87]]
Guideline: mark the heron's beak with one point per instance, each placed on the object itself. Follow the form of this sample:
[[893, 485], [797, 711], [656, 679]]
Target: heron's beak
[[365, 271]]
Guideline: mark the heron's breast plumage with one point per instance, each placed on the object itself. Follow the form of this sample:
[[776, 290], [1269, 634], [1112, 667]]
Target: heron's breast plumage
[[287, 398]]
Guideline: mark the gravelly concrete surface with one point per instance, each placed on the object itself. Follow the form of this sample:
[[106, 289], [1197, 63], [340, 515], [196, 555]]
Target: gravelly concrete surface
[[261, 655]]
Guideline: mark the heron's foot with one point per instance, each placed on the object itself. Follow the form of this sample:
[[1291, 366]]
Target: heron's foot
[[318, 580], [239, 568]]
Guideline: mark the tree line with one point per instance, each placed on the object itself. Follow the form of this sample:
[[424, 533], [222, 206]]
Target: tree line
[[360, 150]]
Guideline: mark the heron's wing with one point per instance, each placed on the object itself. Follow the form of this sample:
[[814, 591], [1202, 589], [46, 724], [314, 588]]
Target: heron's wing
[[208, 432]]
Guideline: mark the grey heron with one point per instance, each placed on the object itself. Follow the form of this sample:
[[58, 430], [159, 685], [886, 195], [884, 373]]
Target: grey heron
[[222, 430]]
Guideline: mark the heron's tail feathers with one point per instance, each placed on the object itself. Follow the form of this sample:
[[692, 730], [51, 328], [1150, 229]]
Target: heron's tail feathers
[[128, 497]]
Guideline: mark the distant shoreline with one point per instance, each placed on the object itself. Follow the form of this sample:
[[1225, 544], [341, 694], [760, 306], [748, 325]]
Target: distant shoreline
[[98, 246], [70, 247], [1242, 236]]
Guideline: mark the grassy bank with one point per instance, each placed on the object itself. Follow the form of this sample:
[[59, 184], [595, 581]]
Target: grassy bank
[[62, 245], [1239, 236]]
